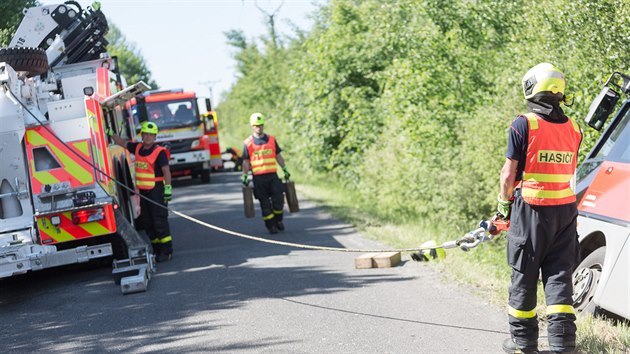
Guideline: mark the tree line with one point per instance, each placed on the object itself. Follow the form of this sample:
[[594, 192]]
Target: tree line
[[408, 102]]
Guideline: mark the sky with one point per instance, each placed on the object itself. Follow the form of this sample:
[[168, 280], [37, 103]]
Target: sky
[[183, 42]]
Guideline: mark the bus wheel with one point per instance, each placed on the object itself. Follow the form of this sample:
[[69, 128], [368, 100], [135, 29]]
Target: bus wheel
[[585, 280]]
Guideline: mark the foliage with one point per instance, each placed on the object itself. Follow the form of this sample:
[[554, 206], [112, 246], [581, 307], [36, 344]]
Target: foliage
[[10, 18], [408, 102], [130, 61]]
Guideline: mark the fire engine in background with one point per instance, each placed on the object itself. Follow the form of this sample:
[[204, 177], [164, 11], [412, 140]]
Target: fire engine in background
[[603, 190], [57, 204], [190, 137]]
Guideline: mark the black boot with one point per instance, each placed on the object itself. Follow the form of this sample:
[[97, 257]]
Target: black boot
[[271, 226], [510, 346]]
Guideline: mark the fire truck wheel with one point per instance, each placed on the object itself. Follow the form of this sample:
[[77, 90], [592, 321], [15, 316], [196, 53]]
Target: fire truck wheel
[[585, 280], [33, 61]]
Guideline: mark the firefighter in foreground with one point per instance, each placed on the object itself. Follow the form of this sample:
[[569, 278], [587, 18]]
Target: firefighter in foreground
[[260, 153], [536, 195], [153, 179]]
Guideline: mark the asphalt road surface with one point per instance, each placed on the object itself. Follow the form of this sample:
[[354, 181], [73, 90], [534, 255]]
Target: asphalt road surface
[[222, 293]]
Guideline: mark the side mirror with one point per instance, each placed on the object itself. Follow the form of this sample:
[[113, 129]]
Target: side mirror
[[141, 109], [208, 105], [601, 108]]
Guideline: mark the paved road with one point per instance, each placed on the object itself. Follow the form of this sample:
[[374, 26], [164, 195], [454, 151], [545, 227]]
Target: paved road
[[221, 293]]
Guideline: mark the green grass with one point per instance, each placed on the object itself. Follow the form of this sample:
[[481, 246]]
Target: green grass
[[484, 269]]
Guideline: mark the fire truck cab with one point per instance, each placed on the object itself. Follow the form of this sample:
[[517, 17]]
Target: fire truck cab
[[600, 281], [183, 131]]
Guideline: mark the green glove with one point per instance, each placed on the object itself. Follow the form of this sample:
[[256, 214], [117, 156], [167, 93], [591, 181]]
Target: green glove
[[504, 207], [109, 132], [168, 192], [286, 172], [245, 180]]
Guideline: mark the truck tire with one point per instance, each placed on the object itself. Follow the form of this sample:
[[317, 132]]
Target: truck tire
[[31, 60], [585, 280]]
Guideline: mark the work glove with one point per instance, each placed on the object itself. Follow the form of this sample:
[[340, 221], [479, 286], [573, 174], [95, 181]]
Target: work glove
[[109, 132], [168, 193], [245, 180], [286, 172], [504, 206]]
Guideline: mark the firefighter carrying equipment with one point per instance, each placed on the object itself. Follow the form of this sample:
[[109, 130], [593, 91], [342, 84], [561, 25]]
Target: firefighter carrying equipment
[[262, 157], [543, 78], [145, 168], [256, 119], [149, 128], [550, 162]]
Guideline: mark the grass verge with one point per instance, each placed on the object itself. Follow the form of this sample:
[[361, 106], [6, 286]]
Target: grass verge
[[484, 269]]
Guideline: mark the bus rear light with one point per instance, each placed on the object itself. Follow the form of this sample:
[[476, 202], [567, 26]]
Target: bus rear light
[[87, 215]]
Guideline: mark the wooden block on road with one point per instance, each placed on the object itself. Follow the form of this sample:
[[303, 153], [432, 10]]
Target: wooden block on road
[[364, 261], [386, 259]]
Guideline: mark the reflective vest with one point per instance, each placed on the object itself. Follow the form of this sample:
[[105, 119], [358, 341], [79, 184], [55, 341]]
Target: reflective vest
[[145, 168], [550, 161], [262, 157]]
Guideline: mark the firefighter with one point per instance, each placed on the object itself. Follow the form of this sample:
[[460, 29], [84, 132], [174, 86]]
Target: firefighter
[[535, 193], [260, 153], [153, 179]]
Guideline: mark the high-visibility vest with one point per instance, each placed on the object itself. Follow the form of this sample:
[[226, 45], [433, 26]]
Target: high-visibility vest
[[262, 157], [145, 168], [550, 162]]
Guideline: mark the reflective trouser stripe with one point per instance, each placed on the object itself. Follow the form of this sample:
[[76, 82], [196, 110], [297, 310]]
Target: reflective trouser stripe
[[279, 212], [521, 314], [551, 309], [165, 239], [268, 217]]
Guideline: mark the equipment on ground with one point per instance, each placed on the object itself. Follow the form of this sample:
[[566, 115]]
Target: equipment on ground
[[601, 281], [191, 138], [59, 203]]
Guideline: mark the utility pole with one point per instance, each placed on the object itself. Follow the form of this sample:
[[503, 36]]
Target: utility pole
[[209, 84], [271, 21]]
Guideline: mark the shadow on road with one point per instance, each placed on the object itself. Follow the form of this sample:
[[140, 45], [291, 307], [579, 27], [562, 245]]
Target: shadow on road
[[74, 310]]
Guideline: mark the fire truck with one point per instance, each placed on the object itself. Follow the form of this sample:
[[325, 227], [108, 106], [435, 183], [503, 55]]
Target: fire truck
[[600, 281], [190, 137], [59, 201]]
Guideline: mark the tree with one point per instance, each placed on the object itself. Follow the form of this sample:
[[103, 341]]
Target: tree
[[10, 17], [130, 61]]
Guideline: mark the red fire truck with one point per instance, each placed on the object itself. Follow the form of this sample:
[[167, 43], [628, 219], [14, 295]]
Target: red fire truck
[[190, 137], [603, 190], [58, 202]]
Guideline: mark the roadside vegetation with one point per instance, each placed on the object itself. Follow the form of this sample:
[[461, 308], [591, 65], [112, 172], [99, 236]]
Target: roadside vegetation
[[394, 113]]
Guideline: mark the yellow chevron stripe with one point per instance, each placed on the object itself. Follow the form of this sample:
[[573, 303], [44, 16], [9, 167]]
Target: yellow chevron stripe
[[62, 236], [94, 228], [83, 147], [70, 165], [43, 177]]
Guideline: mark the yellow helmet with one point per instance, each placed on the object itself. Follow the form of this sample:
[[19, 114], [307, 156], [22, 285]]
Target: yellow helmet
[[543, 78], [149, 127], [256, 119]]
